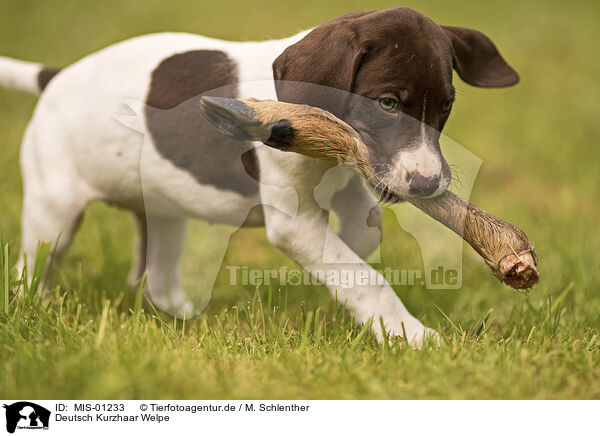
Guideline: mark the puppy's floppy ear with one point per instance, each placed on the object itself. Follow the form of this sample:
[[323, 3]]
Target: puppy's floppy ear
[[477, 60], [329, 56]]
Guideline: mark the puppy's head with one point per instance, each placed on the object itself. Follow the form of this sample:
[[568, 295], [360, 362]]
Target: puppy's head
[[402, 62]]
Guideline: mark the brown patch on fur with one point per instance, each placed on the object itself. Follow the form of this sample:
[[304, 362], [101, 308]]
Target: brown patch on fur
[[250, 164], [45, 75], [184, 137]]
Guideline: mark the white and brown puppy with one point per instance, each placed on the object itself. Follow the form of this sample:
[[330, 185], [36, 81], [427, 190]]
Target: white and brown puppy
[[74, 151]]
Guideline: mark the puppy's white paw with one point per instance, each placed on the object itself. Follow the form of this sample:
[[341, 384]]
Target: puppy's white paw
[[415, 333], [176, 303], [429, 336]]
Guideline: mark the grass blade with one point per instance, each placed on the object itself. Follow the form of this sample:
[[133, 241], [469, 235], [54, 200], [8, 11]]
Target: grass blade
[[5, 262]]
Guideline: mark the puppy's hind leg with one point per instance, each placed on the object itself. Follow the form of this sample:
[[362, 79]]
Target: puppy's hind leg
[[49, 217], [54, 196]]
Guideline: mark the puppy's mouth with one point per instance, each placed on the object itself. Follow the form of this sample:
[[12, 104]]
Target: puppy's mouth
[[385, 195]]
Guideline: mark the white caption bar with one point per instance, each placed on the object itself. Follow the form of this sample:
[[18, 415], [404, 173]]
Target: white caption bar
[[298, 417]]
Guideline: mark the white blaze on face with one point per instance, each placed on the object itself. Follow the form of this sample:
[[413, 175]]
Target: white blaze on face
[[423, 160]]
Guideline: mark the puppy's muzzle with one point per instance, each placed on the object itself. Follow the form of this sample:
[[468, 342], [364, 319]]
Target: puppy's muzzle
[[422, 186]]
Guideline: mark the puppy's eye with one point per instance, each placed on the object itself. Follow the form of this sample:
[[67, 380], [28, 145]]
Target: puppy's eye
[[388, 104], [447, 105]]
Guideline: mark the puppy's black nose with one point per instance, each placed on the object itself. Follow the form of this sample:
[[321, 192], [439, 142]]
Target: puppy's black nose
[[422, 186]]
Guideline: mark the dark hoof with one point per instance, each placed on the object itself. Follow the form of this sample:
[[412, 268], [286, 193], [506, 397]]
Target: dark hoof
[[233, 118]]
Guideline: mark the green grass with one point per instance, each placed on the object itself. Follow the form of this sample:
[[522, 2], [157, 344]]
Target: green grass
[[88, 336]]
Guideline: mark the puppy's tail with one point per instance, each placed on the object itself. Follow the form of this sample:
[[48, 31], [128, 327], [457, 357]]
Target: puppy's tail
[[25, 76]]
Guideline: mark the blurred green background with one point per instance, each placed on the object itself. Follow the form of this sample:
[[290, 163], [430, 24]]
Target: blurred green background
[[538, 142]]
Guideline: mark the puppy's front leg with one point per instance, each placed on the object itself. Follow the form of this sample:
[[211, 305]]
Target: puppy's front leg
[[165, 242], [360, 218], [302, 238]]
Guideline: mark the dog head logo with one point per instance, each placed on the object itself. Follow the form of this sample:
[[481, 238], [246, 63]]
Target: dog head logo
[[26, 415]]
